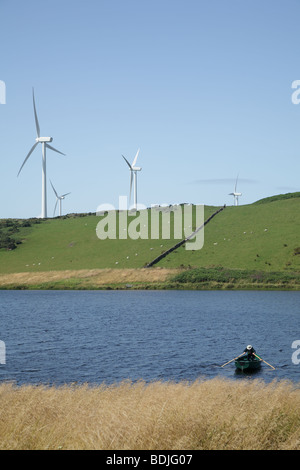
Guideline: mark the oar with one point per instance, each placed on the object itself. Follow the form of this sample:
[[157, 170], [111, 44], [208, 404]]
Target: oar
[[232, 360], [264, 361]]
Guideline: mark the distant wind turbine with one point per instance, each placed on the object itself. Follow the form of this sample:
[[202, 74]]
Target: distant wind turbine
[[44, 141], [58, 199], [133, 177], [235, 194]]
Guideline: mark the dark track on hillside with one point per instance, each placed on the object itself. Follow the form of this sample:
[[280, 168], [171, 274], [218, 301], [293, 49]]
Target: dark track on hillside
[[182, 242]]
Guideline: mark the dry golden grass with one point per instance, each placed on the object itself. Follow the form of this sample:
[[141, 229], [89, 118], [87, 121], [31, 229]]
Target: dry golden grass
[[96, 277], [213, 414]]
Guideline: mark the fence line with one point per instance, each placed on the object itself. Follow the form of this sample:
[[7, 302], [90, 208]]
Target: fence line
[[182, 242]]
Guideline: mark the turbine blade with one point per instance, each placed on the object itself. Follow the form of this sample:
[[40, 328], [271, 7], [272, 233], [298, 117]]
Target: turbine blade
[[236, 183], [127, 161], [55, 207], [135, 158], [28, 155], [54, 150], [64, 195], [131, 179], [35, 116], [53, 189]]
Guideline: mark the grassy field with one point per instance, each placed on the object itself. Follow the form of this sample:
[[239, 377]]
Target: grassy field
[[90, 279], [213, 414], [251, 239], [261, 237], [71, 243]]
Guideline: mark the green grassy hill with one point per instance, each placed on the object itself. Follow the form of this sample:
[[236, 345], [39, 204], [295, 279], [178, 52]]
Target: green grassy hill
[[264, 236], [254, 237], [71, 243]]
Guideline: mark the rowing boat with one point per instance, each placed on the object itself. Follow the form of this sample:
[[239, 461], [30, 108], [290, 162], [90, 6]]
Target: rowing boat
[[243, 363]]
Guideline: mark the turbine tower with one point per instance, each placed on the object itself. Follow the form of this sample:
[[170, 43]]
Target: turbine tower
[[58, 199], [44, 141], [235, 194], [133, 177]]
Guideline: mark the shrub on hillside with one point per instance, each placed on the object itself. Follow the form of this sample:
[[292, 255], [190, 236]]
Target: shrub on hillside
[[7, 242]]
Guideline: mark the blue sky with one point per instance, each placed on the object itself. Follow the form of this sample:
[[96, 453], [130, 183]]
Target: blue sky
[[202, 87]]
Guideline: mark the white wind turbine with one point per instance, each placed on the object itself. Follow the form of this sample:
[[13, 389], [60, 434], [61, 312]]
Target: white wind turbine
[[44, 141], [235, 194], [58, 199], [133, 177]]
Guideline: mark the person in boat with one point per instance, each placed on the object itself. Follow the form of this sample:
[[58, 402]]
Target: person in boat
[[250, 351]]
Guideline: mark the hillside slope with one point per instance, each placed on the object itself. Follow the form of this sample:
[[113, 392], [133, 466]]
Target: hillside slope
[[261, 237]]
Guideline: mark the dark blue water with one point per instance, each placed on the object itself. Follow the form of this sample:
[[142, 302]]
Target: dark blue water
[[56, 337]]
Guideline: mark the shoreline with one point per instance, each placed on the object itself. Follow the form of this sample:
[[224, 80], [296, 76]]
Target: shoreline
[[200, 415], [146, 279]]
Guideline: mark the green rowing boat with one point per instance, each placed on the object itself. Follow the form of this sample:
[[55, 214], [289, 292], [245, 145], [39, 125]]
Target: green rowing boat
[[243, 363]]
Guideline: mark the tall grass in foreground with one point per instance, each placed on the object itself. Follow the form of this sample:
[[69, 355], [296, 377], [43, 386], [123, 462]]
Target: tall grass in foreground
[[212, 414]]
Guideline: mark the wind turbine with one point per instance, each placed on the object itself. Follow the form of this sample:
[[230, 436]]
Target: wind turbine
[[133, 177], [58, 199], [44, 141], [235, 194]]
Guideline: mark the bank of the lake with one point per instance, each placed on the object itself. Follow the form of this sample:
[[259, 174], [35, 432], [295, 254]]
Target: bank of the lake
[[203, 415], [152, 278]]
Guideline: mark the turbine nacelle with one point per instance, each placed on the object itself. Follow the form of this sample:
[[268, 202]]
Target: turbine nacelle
[[44, 139], [136, 168]]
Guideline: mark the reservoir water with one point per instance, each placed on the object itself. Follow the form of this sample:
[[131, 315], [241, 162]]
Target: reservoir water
[[57, 337]]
